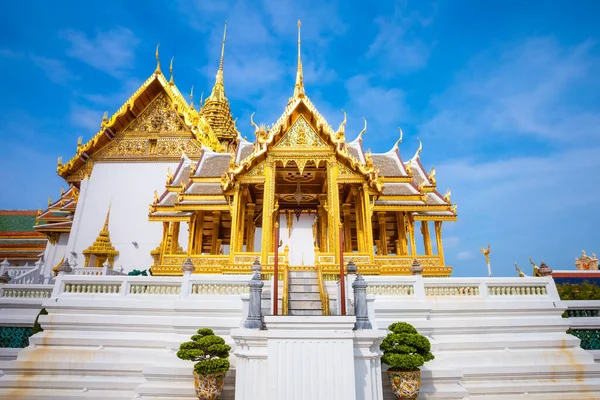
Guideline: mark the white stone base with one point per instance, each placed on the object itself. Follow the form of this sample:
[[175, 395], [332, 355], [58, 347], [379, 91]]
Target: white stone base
[[308, 358]]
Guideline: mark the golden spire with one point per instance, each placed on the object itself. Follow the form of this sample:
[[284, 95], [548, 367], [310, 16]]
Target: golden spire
[[218, 91], [105, 227], [299, 88], [157, 71], [396, 145], [171, 71]]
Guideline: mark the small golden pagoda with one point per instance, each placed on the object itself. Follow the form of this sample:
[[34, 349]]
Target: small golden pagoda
[[102, 249], [300, 166]]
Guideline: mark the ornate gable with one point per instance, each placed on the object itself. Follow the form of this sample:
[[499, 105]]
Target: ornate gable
[[301, 136], [157, 133], [158, 117]]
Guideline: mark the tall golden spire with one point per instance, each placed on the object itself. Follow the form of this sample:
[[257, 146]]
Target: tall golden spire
[[105, 228], [299, 88], [218, 92], [215, 109]]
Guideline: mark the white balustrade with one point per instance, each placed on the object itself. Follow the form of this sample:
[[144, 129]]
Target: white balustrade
[[537, 290], [22, 291], [451, 290], [391, 290]]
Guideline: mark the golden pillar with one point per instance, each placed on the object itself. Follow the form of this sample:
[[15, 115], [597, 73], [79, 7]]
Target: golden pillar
[[411, 231], [402, 239], [234, 210], [358, 210], [333, 211], [268, 206], [368, 226], [323, 243], [346, 209], [438, 238], [214, 246], [382, 233], [426, 237], [250, 228], [198, 233], [174, 237], [191, 233]]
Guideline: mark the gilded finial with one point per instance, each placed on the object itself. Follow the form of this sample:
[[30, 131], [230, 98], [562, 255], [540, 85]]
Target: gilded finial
[[419, 150], [447, 196], [156, 198], [62, 191], [169, 176], [408, 168], [299, 88], [49, 201], [486, 253], [59, 162], [201, 98], [79, 142], [252, 122], [431, 176], [454, 208], [192, 97], [363, 130], [521, 274], [341, 129], [171, 71], [396, 145], [104, 119], [157, 71]]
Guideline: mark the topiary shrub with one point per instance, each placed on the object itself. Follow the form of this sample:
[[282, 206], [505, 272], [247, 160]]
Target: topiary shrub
[[405, 349], [209, 350], [36, 325]]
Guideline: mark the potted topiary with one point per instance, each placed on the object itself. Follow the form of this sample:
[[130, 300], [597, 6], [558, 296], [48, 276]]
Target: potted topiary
[[404, 351], [211, 354]]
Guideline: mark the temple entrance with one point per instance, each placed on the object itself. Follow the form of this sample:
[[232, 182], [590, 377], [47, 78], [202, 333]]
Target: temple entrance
[[298, 190], [299, 238]]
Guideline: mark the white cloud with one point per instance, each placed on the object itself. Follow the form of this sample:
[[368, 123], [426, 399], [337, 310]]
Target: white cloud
[[54, 69], [111, 51], [536, 206], [398, 45], [87, 119], [464, 255], [381, 106], [535, 88]]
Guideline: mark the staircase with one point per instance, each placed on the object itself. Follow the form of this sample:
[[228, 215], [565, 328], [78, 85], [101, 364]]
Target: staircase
[[303, 291]]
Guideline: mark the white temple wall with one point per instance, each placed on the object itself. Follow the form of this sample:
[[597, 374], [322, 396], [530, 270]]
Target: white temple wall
[[128, 188], [55, 252]]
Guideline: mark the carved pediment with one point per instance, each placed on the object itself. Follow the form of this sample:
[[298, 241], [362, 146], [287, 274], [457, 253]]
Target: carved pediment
[[158, 117], [301, 136]]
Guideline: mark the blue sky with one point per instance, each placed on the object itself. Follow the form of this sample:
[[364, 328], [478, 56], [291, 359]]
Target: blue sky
[[504, 95]]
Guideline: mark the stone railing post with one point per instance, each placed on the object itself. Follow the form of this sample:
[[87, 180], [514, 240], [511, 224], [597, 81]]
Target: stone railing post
[[3, 265], [64, 268], [351, 270], [416, 268], [188, 269], [360, 303], [254, 319]]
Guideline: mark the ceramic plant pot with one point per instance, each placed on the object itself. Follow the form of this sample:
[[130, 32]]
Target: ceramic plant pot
[[209, 387], [405, 384]]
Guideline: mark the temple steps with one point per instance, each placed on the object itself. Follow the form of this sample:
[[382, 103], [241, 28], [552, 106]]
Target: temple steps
[[303, 292]]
